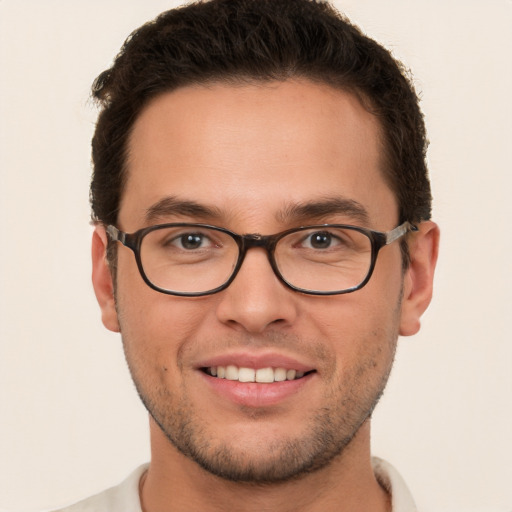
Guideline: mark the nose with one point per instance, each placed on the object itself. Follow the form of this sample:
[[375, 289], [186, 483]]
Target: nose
[[257, 300]]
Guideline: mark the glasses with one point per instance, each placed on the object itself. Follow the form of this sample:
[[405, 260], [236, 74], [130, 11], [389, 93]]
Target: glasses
[[191, 260]]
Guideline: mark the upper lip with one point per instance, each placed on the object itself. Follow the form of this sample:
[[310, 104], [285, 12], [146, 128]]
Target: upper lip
[[253, 360]]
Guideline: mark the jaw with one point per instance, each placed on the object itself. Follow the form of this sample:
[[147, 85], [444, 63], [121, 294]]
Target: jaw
[[348, 482]]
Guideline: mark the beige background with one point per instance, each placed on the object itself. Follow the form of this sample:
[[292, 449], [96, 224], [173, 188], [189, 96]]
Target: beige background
[[71, 423]]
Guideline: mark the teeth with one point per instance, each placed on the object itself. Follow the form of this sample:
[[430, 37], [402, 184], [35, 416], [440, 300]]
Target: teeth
[[246, 374], [264, 375], [261, 375], [279, 374], [291, 374], [231, 372]]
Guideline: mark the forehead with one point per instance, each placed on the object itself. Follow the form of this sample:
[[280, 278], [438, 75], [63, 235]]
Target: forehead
[[254, 150]]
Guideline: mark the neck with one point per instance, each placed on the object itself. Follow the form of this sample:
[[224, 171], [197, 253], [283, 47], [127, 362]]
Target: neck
[[175, 483]]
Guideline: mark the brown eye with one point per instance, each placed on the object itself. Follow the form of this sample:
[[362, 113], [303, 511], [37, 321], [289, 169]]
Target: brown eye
[[191, 241], [320, 240]]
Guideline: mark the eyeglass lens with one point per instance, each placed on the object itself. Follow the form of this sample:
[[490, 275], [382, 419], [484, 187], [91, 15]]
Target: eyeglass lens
[[192, 259]]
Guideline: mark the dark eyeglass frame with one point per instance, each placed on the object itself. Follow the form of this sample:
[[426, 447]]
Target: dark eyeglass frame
[[378, 240]]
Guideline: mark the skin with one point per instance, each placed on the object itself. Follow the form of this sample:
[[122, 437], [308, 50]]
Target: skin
[[249, 153]]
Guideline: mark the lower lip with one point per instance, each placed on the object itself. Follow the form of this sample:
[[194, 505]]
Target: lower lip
[[254, 394]]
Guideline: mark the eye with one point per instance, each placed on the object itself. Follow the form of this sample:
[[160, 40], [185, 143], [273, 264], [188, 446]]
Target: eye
[[191, 241], [320, 240]]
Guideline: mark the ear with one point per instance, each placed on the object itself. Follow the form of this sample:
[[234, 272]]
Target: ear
[[102, 280], [418, 280]]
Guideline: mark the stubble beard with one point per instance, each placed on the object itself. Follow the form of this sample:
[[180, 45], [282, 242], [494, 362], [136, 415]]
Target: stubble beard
[[327, 435]]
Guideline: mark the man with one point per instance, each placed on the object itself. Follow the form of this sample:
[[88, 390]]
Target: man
[[262, 238]]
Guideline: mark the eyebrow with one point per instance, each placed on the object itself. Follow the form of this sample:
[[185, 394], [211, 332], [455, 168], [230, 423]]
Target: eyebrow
[[293, 213], [317, 210], [171, 206]]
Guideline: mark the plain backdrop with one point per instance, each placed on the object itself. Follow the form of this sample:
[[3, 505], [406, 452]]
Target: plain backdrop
[[71, 423]]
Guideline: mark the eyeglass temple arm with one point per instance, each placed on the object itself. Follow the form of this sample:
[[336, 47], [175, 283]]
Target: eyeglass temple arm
[[115, 234], [399, 231]]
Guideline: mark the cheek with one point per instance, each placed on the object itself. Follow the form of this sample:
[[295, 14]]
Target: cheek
[[155, 327], [361, 314], [361, 327]]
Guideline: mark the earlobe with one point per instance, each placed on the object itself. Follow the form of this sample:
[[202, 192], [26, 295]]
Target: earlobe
[[418, 279], [102, 280]]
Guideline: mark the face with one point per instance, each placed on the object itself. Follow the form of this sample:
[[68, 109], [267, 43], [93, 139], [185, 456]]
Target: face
[[246, 157]]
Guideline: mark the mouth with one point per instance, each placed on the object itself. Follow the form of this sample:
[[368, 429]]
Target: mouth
[[256, 380], [266, 375]]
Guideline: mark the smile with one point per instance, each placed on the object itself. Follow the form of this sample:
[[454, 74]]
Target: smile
[[260, 375]]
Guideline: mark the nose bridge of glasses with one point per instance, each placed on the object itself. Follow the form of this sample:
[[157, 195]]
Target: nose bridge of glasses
[[255, 240], [251, 240]]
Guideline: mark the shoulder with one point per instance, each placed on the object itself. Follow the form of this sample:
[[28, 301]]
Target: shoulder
[[121, 498], [390, 479]]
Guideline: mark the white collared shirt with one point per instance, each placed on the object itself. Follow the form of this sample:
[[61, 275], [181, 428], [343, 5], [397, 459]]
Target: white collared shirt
[[125, 496]]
